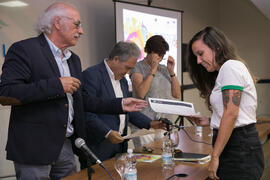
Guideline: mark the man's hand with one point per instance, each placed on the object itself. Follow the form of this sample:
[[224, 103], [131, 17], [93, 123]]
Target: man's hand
[[132, 104], [7, 101], [157, 125], [199, 120], [114, 137], [70, 84]]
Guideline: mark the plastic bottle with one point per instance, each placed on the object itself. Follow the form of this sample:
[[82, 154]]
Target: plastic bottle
[[167, 161], [198, 130], [130, 167]]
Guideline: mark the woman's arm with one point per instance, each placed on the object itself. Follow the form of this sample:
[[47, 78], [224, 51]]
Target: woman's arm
[[175, 86], [231, 103], [140, 85]]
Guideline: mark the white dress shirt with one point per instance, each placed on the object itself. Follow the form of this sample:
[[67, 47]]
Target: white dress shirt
[[64, 72], [119, 94]]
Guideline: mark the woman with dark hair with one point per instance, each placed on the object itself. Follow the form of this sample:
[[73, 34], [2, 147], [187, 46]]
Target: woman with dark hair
[[152, 79], [228, 87]]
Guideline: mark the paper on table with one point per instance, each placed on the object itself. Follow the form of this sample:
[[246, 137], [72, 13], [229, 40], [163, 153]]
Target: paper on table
[[172, 107], [147, 157], [140, 132]]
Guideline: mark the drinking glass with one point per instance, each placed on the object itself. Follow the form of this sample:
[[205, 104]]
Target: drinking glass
[[119, 164], [175, 139], [157, 116], [211, 132]]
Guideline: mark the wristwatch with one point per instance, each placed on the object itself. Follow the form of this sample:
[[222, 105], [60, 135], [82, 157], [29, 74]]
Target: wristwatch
[[172, 75]]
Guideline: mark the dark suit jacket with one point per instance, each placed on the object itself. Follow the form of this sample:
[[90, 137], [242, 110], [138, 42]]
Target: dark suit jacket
[[98, 83], [37, 128]]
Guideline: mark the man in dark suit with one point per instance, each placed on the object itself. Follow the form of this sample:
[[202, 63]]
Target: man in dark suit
[[106, 80], [41, 79]]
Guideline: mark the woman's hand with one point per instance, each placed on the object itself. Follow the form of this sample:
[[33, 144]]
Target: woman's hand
[[154, 61], [212, 168], [170, 65], [199, 120]]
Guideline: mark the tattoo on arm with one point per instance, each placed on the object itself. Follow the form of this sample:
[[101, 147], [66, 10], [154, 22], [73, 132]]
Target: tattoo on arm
[[225, 96], [236, 97]]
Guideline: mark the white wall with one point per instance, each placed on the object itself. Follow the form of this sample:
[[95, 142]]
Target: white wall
[[240, 20], [6, 167]]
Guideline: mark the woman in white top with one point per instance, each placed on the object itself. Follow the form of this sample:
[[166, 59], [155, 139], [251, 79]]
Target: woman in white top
[[227, 85]]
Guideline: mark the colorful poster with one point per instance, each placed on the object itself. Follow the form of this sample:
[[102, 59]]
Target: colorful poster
[[138, 27]]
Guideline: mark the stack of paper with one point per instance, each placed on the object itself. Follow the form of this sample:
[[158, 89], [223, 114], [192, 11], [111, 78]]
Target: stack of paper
[[139, 133], [172, 107]]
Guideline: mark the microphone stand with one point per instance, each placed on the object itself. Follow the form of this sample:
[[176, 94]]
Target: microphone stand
[[90, 170], [181, 121], [170, 126]]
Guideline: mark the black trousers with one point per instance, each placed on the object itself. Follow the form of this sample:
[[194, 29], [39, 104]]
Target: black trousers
[[242, 157]]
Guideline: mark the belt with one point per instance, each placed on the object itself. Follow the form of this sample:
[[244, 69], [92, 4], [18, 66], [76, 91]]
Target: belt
[[246, 127]]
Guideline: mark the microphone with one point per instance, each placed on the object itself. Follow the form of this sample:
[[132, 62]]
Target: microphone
[[80, 143], [169, 123], [166, 121]]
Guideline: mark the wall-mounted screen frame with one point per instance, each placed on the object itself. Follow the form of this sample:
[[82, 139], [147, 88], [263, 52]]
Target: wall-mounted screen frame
[[137, 23]]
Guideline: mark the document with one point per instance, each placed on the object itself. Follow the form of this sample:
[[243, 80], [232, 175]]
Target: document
[[140, 132], [172, 107]]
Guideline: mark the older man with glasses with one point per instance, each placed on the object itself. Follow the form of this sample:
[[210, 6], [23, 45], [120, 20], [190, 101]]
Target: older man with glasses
[[41, 79]]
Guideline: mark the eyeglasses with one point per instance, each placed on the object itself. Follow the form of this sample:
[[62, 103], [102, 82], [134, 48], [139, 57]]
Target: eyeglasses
[[77, 23]]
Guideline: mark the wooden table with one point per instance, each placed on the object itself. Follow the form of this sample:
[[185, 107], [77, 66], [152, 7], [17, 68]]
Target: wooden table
[[263, 127], [153, 171]]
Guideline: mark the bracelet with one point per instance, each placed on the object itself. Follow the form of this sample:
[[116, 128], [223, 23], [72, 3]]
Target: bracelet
[[153, 75], [172, 75]]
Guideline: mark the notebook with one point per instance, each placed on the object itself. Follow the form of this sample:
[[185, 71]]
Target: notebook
[[192, 157]]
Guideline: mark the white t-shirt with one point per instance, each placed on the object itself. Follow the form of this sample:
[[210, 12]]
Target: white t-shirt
[[233, 74]]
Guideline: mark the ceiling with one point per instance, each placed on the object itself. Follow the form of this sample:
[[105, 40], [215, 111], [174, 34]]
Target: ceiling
[[263, 6]]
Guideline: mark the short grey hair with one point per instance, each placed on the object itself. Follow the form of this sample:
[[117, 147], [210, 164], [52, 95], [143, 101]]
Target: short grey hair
[[124, 51], [45, 20]]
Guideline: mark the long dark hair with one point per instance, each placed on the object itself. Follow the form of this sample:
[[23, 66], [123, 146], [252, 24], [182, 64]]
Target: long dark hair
[[224, 51]]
